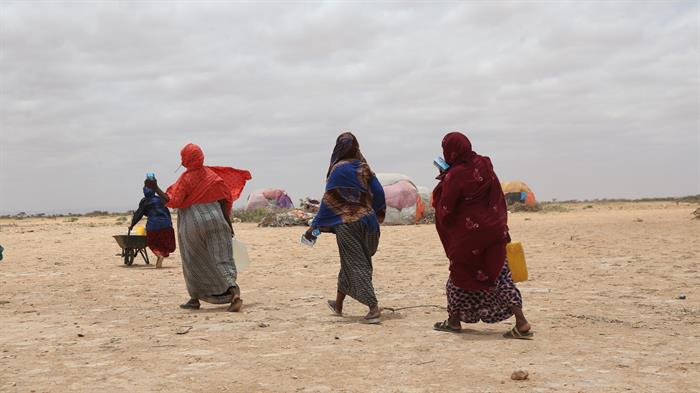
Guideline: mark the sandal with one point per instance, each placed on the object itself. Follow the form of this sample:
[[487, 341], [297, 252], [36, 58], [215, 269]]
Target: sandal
[[371, 320], [517, 334], [444, 326], [190, 305], [331, 305], [236, 305]]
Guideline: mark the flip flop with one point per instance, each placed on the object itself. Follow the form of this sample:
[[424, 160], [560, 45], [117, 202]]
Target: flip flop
[[331, 305], [372, 320], [444, 326], [518, 335]]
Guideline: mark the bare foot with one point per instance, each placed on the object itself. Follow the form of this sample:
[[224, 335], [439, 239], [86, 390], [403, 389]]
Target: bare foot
[[454, 322]]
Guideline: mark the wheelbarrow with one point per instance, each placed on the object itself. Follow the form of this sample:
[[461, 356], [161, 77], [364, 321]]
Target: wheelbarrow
[[131, 246]]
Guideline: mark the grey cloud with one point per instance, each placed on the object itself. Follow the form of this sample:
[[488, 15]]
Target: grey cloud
[[581, 100]]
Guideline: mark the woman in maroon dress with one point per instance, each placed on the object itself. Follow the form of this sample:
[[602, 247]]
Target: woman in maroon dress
[[472, 221]]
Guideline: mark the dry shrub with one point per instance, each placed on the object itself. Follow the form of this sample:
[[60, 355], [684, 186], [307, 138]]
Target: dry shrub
[[553, 208], [255, 216], [521, 207], [96, 213]]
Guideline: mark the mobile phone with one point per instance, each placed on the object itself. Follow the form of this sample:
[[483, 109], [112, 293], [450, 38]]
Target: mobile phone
[[440, 164]]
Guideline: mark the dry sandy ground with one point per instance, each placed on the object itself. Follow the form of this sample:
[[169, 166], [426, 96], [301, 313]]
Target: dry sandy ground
[[602, 299]]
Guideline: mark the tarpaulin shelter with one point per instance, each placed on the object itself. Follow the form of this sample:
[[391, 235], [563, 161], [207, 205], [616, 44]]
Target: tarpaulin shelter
[[269, 198], [426, 195], [517, 191], [404, 204]]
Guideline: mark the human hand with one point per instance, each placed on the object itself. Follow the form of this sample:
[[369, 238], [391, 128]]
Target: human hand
[[152, 184]]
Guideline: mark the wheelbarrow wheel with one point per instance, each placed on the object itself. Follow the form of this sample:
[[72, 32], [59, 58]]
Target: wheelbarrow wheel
[[129, 255]]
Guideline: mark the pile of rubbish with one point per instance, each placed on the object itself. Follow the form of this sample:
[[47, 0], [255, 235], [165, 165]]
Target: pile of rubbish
[[289, 218], [428, 217], [310, 205]]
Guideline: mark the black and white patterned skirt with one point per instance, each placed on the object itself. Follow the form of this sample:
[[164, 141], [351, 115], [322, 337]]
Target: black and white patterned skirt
[[488, 306], [357, 244]]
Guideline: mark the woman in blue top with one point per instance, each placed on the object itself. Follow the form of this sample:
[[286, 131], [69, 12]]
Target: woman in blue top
[[160, 236], [352, 207]]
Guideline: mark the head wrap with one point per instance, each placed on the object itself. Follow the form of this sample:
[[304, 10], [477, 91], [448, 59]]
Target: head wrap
[[346, 148], [148, 193], [457, 148], [205, 184]]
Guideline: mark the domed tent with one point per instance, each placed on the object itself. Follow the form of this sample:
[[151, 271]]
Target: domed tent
[[404, 204], [518, 192], [426, 195], [269, 198]]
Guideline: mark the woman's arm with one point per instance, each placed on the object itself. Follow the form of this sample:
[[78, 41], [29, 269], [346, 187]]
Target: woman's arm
[[138, 214], [153, 185], [378, 199]]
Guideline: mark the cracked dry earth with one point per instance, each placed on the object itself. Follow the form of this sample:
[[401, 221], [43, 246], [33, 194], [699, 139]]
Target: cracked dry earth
[[603, 299]]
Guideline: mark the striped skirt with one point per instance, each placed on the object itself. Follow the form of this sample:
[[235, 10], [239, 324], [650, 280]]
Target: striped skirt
[[357, 245], [207, 252]]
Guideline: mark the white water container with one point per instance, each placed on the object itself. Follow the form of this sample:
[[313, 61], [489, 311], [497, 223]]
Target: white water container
[[240, 255]]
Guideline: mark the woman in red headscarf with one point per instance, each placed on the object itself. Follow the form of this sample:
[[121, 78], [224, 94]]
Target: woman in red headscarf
[[472, 221], [203, 196]]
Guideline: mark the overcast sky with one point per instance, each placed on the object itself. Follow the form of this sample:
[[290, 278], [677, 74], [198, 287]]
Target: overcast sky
[[580, 100]]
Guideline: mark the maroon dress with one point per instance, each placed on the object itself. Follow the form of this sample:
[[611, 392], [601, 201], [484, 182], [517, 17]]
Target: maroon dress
[[471, 218]]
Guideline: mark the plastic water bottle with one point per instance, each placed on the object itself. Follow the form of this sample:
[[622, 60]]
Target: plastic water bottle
[[240, 255], [315, 233]]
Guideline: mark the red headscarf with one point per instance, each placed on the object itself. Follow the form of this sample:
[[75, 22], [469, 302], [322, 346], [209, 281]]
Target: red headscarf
[[205, 184], [470, 215]]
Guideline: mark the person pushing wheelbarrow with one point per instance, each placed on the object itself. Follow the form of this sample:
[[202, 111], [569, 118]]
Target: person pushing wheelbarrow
[[160, 236]]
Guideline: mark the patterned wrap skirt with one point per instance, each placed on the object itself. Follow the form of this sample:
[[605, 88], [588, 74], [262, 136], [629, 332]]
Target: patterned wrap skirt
[[356, 245], [207, 252], [490, 306], [161, 242]]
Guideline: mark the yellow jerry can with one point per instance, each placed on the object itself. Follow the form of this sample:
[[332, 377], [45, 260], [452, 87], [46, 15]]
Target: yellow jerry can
[[516, 261], [139, 230]]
